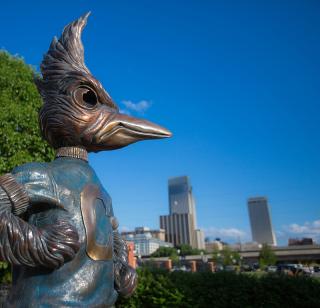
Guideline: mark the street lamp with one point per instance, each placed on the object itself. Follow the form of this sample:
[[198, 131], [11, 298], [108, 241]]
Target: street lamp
[[178, 251]]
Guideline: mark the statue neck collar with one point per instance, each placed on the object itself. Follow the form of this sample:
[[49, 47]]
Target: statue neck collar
[[74, 152]]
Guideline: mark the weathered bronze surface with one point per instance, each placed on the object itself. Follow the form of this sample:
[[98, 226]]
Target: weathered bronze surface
[[57, 226], [95, 251], [84, 113]]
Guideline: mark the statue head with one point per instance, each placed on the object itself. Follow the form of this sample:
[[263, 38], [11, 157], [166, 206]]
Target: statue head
[[77, 110]]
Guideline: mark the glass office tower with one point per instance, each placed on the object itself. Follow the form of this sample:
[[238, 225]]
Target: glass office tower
[[181, 223]]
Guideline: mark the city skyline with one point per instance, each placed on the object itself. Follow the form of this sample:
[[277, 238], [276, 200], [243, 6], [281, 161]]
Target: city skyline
[[236, 83]]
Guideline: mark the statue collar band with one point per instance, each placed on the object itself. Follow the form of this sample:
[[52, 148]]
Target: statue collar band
[[74, 152]]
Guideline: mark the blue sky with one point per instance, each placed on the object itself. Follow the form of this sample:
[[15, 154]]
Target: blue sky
[[237, 82]]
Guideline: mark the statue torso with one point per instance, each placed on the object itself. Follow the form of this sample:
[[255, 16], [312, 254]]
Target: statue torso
[[68, 187]]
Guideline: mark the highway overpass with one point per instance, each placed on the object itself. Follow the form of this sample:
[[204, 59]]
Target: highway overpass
[[288, 254]]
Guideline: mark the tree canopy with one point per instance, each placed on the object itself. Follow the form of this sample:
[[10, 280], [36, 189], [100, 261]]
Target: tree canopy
[[226, 256], [164, 252], [180, 250], [20, 137], [267, 256], [187, 250]]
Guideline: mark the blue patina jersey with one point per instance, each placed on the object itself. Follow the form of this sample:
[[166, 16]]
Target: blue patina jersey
[[55, 191]]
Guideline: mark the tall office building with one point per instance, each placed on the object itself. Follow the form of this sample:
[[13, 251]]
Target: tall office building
[[181, 223], [179, 229], [181, 200], [260, 220]]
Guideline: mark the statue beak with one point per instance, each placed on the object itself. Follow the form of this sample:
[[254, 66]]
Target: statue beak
[[121, 130]]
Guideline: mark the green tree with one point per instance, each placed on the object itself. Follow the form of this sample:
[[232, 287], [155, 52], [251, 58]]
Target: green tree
[[266, 256], [184, 250], [226, 256], [187, 250], [175, 259], [20, 137], [217, 257], [164, 252]]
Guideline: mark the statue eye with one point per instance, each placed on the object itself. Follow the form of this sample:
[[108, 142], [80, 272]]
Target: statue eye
[[86, 97]]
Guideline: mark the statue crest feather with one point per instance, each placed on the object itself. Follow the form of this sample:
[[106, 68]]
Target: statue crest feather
[[65, 55]]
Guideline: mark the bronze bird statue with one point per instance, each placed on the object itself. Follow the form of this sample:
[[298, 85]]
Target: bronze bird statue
[[57, 226]]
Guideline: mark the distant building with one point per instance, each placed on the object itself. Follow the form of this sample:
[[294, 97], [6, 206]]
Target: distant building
[[199, 235], [260, 221], [245, 246], [181, 200], [213, 246], [158, 233], [181, 223], [144, 243], [179, 229], [300, 242]]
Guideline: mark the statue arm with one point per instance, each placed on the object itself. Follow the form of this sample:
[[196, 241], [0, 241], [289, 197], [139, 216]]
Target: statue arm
[[22, 243], [126, 278]]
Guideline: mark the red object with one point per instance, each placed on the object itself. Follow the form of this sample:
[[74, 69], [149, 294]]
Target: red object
[[193, 266], [131, 258], [168, 264]]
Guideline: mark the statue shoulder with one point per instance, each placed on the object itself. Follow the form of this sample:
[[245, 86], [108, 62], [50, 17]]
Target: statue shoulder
[[32, 170], [38, 181]]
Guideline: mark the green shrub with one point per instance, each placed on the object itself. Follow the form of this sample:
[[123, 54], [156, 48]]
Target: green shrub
[[155, 289], [5, 273], [158, 288]]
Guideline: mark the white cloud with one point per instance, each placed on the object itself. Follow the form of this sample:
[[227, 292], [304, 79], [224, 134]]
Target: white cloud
[[316, 224], [225, 233], [124, 111], [139, 107], [308, 229], [124, 229]]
